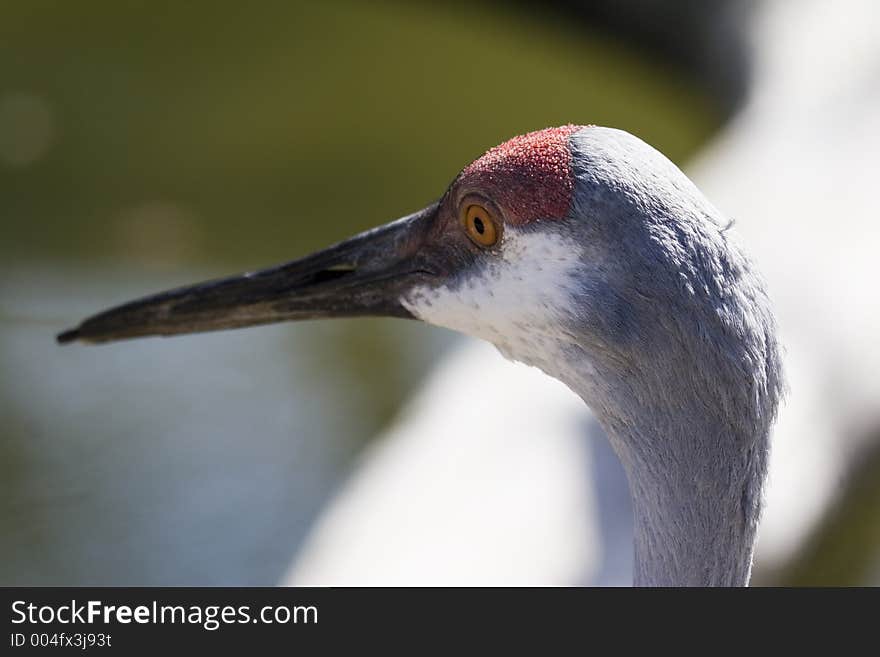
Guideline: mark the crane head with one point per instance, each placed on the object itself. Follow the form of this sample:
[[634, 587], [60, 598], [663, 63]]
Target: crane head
[[576, 243], [394, 270]]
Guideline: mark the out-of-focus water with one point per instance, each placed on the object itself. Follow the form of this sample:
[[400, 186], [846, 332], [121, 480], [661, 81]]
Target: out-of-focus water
[[146, 146]]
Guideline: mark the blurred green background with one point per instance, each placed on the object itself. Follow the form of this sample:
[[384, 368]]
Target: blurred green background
[[149, 144], [161, 133]]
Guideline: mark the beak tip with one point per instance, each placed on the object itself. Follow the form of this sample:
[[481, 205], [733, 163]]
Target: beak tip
[[68, 336]]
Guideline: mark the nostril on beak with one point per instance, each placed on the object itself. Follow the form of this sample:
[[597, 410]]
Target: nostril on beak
[[333, 273]]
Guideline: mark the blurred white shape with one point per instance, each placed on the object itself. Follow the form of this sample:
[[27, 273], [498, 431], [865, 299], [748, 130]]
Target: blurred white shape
[[27, 129], [441, 500], [797, 169]]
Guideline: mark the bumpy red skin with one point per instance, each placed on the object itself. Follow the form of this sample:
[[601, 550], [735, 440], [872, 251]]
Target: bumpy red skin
[[530, 176]]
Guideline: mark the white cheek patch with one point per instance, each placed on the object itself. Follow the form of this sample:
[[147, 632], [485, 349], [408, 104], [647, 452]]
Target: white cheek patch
[[517, 301]]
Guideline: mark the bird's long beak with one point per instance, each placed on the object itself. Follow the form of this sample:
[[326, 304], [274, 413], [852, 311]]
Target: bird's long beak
[[364, 275]]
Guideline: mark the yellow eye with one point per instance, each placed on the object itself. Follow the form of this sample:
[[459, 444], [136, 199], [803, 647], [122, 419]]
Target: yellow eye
[[480, 225]]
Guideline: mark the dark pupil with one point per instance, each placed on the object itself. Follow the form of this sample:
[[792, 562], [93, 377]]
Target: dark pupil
[[478, 224]]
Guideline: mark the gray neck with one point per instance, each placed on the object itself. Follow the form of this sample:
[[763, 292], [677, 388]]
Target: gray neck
[[695, 476], [695, 509], [695, 530]]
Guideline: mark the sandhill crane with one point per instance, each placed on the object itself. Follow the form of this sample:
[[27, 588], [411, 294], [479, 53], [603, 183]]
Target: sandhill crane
[[584, 252]]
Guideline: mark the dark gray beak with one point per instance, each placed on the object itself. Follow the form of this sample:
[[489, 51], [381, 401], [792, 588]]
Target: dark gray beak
[[364, 275]]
